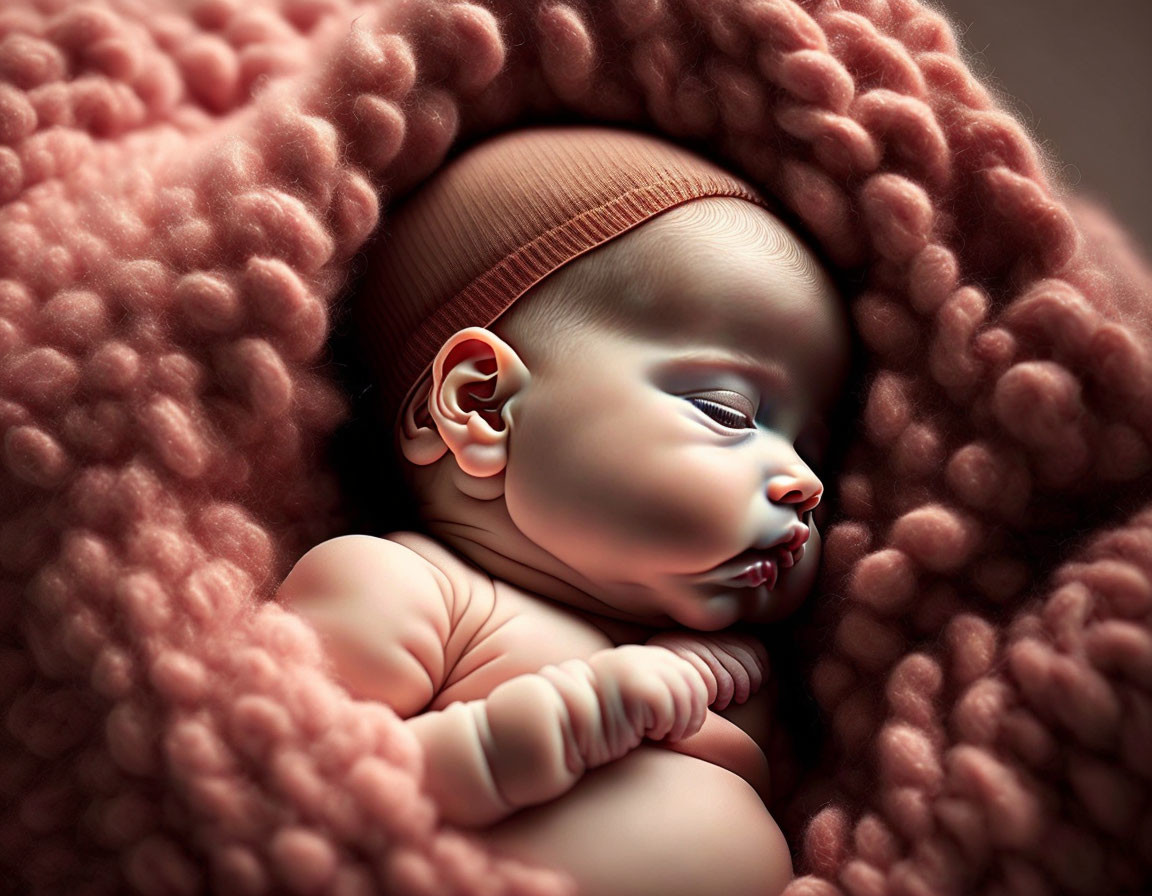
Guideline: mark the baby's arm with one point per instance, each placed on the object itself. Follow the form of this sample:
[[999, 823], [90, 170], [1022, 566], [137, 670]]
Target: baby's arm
[[536, 735], [384, 613]]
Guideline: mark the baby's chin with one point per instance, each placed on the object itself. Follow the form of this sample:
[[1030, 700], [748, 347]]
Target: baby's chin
[[734, 605], [719, 606]]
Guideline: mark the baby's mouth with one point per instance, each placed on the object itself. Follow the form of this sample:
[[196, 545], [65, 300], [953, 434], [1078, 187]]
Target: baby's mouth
[[754, 567], [760, 571]]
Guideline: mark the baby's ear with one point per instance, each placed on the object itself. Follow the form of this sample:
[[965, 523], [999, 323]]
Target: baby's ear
[[474, 376]]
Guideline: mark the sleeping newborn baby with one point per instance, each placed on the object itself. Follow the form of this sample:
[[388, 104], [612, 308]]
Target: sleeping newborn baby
[[607, 367]]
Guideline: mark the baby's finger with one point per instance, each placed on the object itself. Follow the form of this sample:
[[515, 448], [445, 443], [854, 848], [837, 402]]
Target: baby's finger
[[651, 697], [701, 668], [662, 713], [686, 647], [732, 665], [691, 699], [665, 691], [695, 649], [752, 649], [745, 659]]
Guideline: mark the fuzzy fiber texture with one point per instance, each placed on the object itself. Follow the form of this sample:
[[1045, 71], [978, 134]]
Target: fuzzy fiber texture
[[185, 188]]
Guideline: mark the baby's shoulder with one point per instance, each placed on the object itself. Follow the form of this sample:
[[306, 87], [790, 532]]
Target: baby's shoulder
[[464, 582], [358, 563], [367, 556], [471, 594], [384, 612], [433, 551]]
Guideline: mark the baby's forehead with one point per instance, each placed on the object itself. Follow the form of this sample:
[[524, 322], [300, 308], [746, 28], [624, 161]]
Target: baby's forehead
[[720, 274], [714, 256]]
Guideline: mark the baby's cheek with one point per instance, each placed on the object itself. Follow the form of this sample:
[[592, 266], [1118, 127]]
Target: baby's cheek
[[688, 484], [711, 486], [697, 512]]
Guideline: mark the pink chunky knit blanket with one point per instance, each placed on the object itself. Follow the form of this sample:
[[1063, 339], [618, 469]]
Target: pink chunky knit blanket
[[185, 188]]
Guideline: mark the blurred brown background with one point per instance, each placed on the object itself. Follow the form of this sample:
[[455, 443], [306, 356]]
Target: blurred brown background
[[1078, 74]]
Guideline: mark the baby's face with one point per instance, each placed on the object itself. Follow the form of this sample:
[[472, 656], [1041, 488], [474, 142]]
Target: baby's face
[[675, 471]]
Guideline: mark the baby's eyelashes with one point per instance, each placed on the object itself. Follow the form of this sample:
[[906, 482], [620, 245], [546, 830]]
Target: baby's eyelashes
[[728, 408], [723, 414]]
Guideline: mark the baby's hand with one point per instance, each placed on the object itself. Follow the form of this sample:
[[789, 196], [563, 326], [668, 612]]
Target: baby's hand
[[661, 694], [618, 697], [733, 666]]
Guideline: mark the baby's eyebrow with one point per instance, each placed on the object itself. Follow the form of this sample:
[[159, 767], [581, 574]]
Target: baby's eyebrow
[[771, 376]]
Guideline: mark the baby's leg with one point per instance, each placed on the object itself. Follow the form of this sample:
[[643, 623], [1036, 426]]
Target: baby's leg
[[653, 822]]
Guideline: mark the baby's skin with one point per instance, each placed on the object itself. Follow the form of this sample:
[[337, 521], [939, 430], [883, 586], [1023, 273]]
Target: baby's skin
[[605, 506]]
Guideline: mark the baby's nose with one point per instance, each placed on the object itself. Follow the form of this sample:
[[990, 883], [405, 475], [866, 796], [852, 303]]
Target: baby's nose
[[797, 484]]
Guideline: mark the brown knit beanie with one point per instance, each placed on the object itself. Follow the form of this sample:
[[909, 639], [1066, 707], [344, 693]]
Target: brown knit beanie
[[499, 219]]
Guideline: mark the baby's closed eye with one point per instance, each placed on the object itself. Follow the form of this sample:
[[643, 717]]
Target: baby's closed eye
[[723, 414], [730, 409]]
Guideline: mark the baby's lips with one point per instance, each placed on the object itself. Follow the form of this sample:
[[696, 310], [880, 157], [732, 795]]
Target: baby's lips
[[732, 571], [784, 554], [788, 559], [800, 538]]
